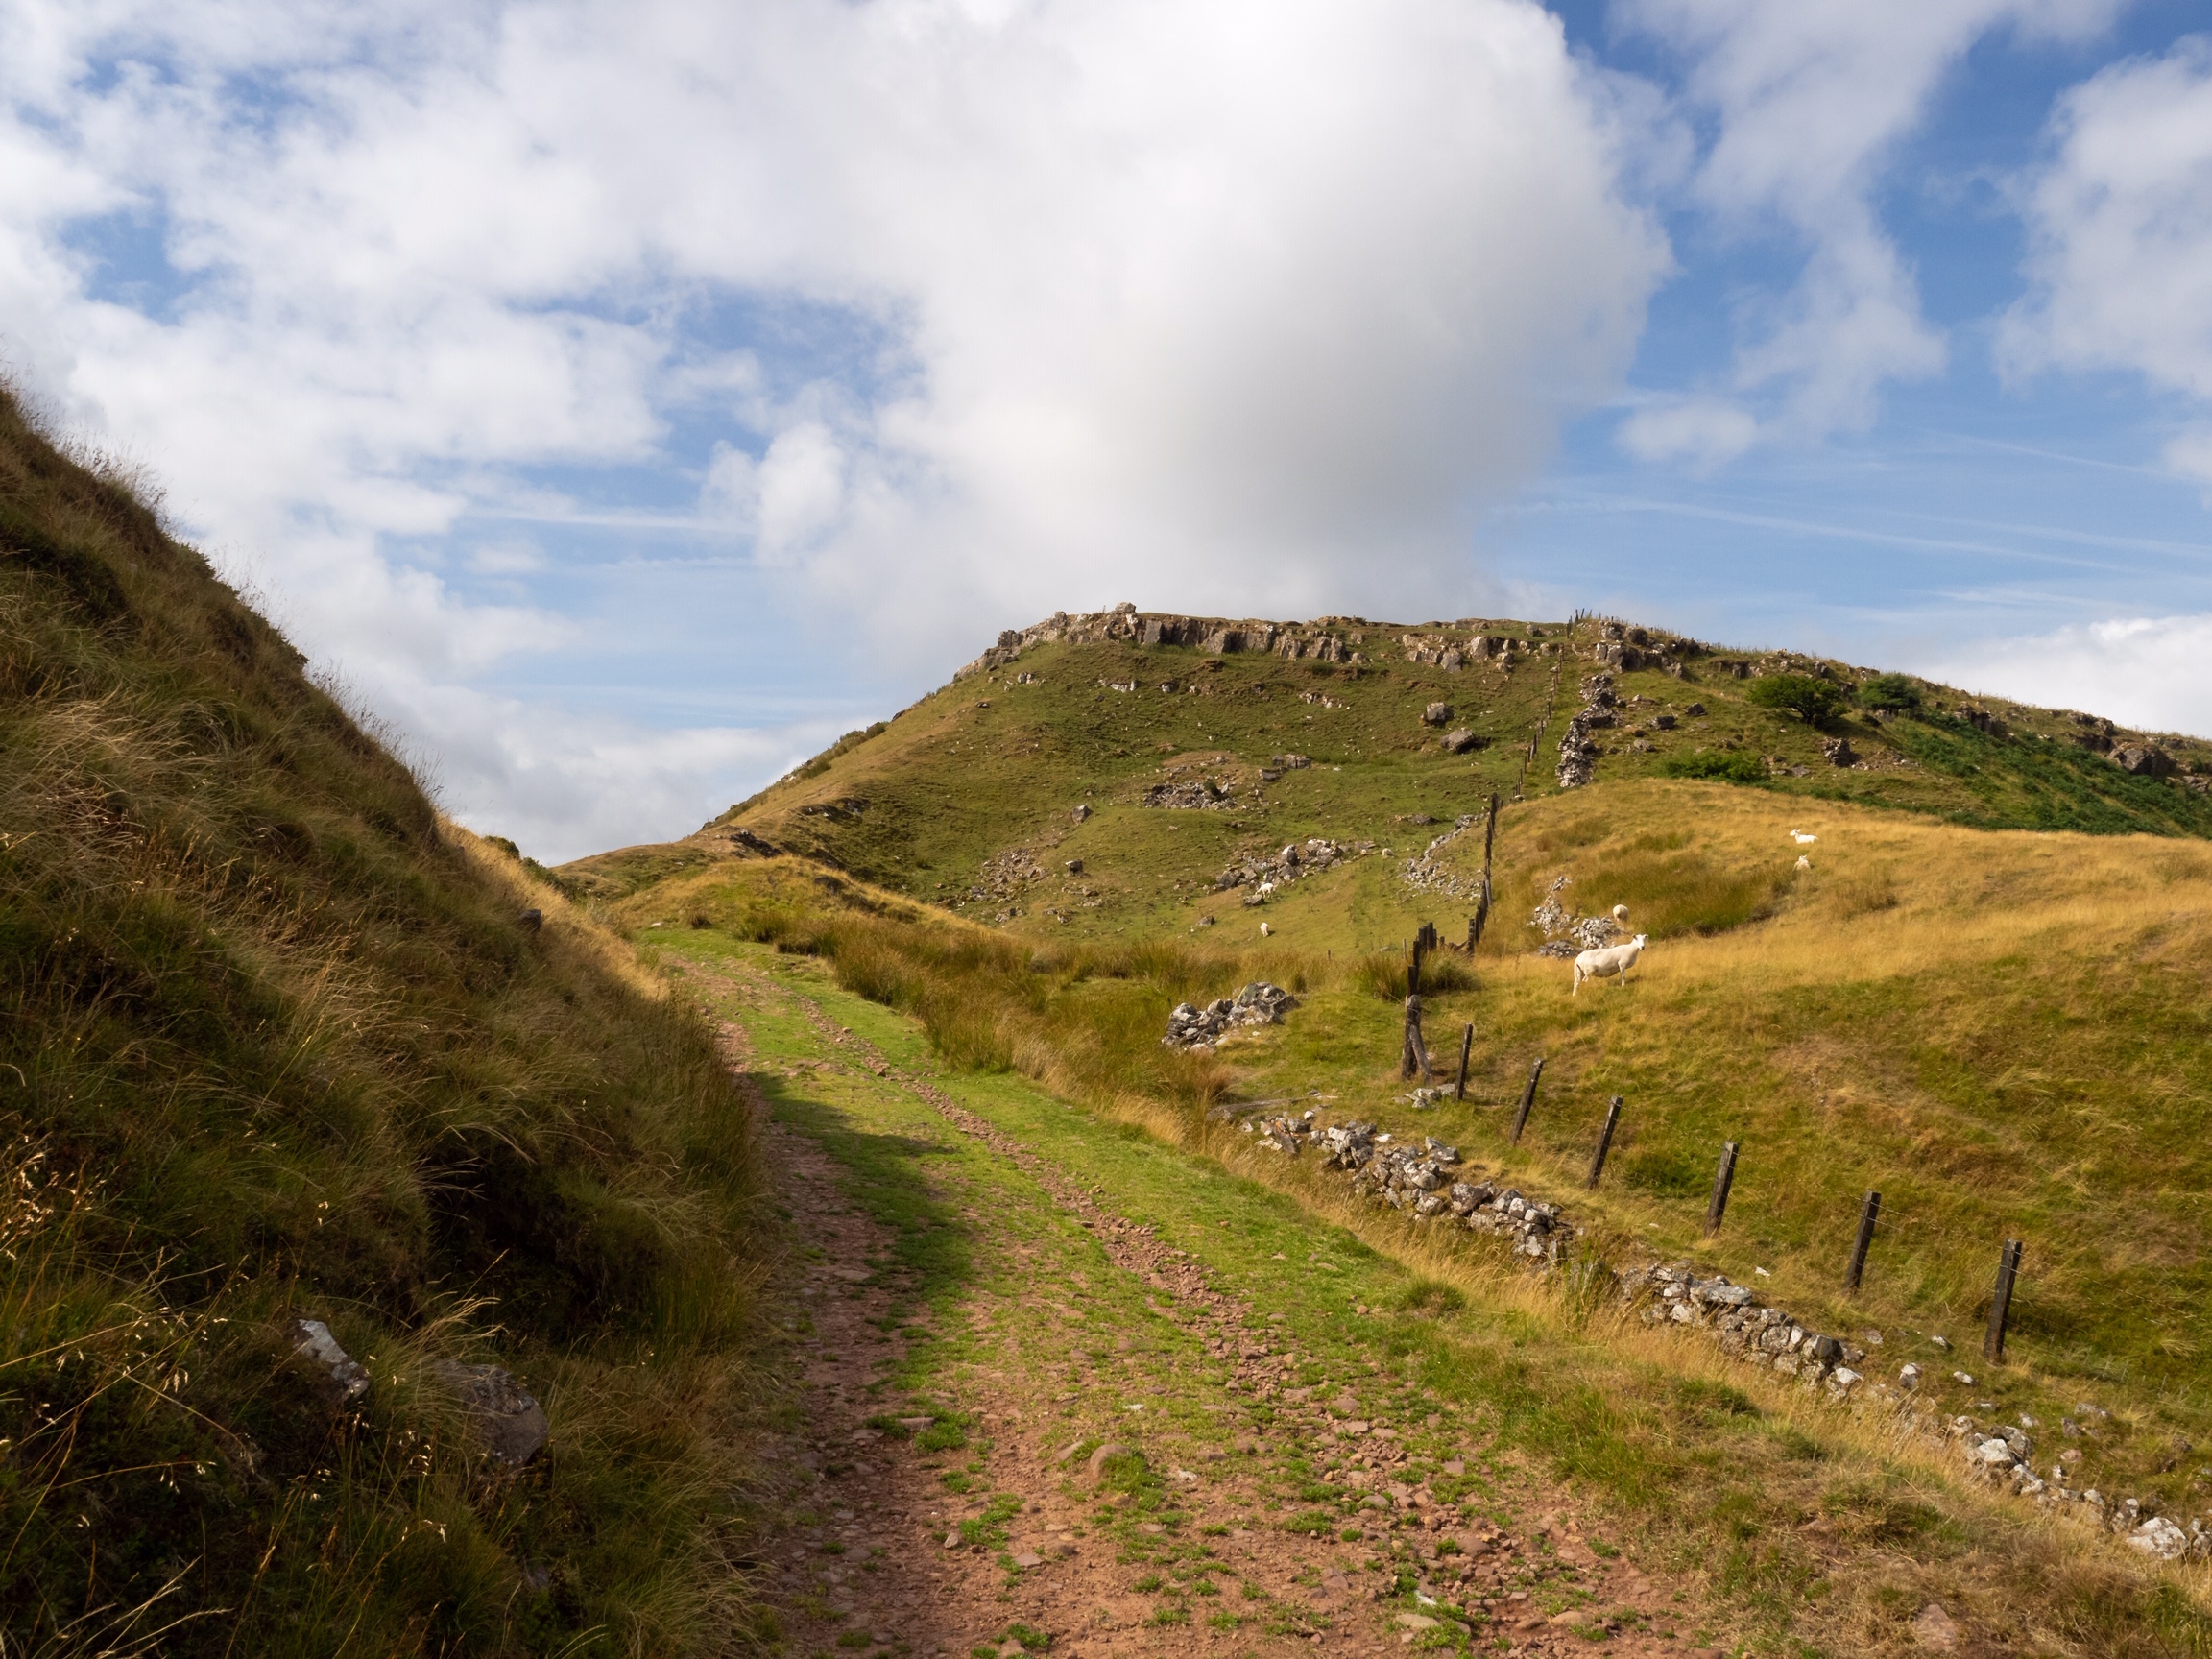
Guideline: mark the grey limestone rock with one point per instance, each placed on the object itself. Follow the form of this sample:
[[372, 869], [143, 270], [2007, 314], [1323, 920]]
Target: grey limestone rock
[[343, 1379]]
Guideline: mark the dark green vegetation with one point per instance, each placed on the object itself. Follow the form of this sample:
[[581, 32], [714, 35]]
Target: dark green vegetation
[[276, 1044], [1812, 699]]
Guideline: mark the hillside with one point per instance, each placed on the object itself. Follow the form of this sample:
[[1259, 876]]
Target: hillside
[[1361, 732], [1965, 971], [281, 1046]]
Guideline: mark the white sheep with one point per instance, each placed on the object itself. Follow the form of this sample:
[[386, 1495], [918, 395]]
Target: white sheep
[[1803, 862], [1801, 838], [1265, 930], [1612, 962], [1266, 888]]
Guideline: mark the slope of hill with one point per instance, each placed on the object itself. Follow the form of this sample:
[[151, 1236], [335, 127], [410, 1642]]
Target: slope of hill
[[279, 1044], [1360, 732], [1966, 973]]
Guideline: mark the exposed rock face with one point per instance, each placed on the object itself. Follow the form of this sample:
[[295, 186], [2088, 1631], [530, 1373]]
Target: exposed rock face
[[2143, 760], [510, 1423], [1259, 1003], [1839, 752]]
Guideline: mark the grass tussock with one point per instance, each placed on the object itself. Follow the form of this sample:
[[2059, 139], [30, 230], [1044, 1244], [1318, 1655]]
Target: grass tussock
[[276, 1041]]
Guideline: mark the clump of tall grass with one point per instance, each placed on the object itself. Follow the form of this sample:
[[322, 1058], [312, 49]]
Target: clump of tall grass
[[1383, 974]]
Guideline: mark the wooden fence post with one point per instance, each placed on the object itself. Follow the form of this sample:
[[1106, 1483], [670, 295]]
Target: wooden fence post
[[2001, 1302], [1723, 1179], [1415, 1056], [1527, 1100], [1604, 1140], [1481, 914], [1866, 1213], [1466, 1048]]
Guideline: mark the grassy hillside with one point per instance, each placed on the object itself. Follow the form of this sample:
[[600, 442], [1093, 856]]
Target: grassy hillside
[[2004, 1032], [969, 798], [279, 1043]]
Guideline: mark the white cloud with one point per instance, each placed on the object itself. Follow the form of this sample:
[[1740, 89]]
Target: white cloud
[[2120, 221], [1810, 100], [2153, 673], [1701, 431], [1249, 304]]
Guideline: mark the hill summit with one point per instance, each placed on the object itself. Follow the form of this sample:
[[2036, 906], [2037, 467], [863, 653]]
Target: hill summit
[[1105, 771]]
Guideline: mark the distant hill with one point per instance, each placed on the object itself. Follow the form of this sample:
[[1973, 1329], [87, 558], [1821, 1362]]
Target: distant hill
[[1356, 730], [281, 1045]]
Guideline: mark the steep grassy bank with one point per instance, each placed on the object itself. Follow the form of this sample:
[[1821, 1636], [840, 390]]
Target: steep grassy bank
[[279, 1044]]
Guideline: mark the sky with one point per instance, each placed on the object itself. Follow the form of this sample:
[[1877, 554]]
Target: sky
[[621, 401]]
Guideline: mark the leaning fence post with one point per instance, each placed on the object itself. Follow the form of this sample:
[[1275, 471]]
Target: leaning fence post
[[1604, 1140], [2001, 1303], [1866, 1213], [1723, 1178], [1527, 1100], [1415, 1056], [1466, 1048]]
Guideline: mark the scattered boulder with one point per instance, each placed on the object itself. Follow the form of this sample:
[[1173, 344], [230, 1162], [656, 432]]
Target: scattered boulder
[[1437, 714], [1933, 1628], [509, 1422], [1839, 752], [343, 1379], [1196, 794], [1293, 762], [1259, 1003], [532, 919], [1074, 866], [1460, 741], [1082, 812]]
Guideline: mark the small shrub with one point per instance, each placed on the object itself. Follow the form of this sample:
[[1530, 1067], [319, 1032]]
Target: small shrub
[[1717, 766], [1892, 693], [1813, 700]]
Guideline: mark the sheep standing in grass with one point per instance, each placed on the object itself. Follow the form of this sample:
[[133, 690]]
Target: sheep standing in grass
[[1611, 963]]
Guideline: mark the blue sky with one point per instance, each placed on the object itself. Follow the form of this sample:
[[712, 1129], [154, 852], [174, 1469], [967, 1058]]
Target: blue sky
[[624, 400]]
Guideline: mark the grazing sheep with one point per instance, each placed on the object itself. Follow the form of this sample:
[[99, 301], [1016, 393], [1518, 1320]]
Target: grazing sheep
[[1621, 913], [1266, 888], [1265, 930], [1612, 962], [1803, 862], [1801, 838]]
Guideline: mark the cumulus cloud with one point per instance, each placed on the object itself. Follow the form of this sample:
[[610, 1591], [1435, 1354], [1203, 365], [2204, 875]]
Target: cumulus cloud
[[2120, 220], [1809, 101], [2148, 672], [1242, 303]]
